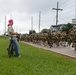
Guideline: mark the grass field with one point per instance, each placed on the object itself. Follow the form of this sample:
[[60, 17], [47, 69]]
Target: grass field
[[34, 61]]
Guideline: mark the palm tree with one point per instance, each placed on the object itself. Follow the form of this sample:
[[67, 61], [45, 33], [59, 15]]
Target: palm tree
[[67, 29]]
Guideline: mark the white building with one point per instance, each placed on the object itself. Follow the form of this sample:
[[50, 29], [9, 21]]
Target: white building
[[55, 28], [74, 21]]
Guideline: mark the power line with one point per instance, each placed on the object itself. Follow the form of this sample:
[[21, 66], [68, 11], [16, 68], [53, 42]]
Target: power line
[[66, 3], [69, 16], [70, 5], [53, 19], [63, 19], [67, 12]]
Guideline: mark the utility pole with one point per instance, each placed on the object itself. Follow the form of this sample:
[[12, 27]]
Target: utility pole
[[5, 27], [75, 8], [5, 24], [39, 20], [32, 23], [57, 9]]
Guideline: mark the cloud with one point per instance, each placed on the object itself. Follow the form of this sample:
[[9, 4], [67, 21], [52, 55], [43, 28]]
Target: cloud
[[22, 10], [32, 6]]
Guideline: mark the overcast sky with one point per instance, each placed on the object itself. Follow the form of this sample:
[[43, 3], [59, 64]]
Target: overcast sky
[[22, 10]]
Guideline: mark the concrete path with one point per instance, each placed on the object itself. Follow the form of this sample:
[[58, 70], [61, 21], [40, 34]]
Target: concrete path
[[68, 51]]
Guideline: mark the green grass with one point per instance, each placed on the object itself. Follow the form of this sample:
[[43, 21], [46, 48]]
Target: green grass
[[34, 61]]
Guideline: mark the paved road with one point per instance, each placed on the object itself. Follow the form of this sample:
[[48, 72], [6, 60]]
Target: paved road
[[68, 51]]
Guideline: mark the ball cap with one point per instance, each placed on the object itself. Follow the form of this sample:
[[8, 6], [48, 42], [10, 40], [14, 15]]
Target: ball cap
[[10, 22]]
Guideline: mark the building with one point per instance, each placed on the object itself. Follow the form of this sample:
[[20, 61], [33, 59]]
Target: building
[[56, 28], [74, 21]]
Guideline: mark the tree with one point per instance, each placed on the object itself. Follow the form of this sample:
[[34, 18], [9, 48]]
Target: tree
[[67, 29], [45, 31], [32, 31]]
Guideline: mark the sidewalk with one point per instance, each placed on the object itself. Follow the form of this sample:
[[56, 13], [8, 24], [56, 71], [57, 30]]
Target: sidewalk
[[61, 50]]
